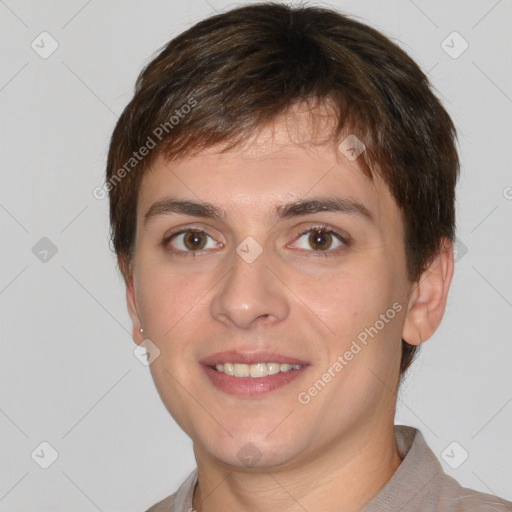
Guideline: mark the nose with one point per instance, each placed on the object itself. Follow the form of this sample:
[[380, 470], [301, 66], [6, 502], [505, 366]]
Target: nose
[[250, 294]]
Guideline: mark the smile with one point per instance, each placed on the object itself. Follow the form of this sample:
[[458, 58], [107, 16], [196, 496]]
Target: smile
[[250, 380], [257, 370]]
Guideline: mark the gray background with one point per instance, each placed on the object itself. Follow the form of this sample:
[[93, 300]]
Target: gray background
[[68, 373]]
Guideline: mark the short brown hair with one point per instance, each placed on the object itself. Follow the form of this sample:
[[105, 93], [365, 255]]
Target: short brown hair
[[235, 72]]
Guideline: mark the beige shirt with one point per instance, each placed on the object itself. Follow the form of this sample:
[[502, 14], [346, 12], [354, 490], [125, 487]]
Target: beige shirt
[[418, 485]]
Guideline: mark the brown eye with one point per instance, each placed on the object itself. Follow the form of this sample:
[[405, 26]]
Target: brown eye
[[323, 241], [194, 240], [189, 241], [320, 240]]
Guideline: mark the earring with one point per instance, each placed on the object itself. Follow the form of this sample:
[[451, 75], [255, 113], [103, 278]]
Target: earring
[[141, 330]]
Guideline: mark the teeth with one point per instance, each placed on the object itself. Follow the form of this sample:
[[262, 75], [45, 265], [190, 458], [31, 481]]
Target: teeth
[[255, 370]]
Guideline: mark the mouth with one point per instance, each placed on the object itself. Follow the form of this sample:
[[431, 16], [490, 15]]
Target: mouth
[[251, 374], [256, 371]]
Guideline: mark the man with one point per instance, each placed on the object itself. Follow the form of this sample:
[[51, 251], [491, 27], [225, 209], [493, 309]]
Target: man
[[282, 206]]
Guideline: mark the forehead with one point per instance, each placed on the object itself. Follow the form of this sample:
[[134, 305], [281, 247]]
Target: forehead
[[291, 159]]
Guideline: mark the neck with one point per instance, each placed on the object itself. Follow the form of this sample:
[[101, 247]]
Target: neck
[[344, 476]]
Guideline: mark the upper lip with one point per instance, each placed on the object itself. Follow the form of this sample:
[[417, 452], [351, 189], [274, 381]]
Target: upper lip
[[234, 356]]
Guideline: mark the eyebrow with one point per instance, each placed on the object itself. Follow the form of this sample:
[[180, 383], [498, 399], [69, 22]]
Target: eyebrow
[[170, 205]]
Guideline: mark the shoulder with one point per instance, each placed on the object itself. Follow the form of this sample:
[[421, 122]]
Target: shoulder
[[166, 505], [420, 484], [455, 498]]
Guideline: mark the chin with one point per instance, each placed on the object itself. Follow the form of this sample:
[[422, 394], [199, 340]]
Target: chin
[[254, 451]]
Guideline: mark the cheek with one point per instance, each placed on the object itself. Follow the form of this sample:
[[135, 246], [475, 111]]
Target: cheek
[[347, 301], [166, 299], [364, 314], [171, 305]]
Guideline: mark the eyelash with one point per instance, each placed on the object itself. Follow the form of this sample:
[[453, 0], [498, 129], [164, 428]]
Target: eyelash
[[324, 229]]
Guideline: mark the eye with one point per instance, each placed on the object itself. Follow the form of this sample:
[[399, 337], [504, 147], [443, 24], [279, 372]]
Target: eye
[[189, 241], [322, 240]]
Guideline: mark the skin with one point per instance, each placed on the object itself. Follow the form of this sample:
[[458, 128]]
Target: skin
[[337, 451]]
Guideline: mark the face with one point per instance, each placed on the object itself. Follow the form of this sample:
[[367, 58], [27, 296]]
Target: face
[[301, 261]]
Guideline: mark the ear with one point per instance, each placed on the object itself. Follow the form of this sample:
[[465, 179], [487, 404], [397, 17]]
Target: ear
[[428, 298], [131, 304]]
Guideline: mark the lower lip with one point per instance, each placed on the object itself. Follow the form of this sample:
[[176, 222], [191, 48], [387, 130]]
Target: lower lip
[[251, 386]]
